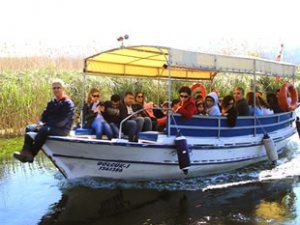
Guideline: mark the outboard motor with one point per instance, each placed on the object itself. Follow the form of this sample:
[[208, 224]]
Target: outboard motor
[[298, 125], [270, 149], [183, 153]]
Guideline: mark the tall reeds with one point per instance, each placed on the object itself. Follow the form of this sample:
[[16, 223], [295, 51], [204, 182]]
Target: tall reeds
[[25, 88]]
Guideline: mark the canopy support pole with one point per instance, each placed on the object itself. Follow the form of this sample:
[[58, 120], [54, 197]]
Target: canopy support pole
[[254, 97], [83, 97], [169, 96]]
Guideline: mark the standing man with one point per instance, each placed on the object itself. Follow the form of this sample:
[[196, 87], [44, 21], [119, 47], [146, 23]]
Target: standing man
[[56, 119], [240, 102]]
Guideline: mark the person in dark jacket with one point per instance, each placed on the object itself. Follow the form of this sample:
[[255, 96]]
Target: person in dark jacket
[[56, 119], [240, 102], [229, 110], [187, 105], [92, 115], [136, 123], [112, 113]]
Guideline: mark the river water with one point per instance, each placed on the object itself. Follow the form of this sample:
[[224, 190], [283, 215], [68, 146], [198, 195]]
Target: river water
[[38, 194]]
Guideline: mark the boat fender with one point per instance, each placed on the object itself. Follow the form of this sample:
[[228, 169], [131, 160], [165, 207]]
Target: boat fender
[[183, 154], [298, 125], [270, 149]]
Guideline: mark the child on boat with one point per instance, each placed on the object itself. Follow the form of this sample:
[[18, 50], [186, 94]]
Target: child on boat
[[212, 101]]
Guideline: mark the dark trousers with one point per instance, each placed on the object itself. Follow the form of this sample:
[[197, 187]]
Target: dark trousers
[[35, 145]]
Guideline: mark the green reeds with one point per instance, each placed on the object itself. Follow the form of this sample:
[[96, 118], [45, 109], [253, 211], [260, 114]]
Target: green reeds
[[24, 93]]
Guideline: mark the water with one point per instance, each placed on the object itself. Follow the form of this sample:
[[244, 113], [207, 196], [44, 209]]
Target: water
[[38, 194]]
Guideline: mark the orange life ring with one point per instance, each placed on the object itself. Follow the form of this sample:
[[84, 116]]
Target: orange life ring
[[198, 87], [283, 98]]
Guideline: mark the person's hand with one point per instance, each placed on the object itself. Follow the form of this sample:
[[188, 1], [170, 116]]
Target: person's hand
[[101, 108], [39, 125], [96, 110]]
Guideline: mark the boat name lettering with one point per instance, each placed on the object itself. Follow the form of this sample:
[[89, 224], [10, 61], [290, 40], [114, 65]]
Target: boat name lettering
[[112, 166]]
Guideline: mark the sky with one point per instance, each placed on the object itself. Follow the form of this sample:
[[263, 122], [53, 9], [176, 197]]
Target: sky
[[84, 27]]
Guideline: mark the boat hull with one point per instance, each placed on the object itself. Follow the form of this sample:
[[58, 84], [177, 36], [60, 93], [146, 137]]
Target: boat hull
[[137, 161]]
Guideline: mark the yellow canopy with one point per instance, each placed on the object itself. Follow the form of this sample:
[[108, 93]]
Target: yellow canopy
[[155, 62]]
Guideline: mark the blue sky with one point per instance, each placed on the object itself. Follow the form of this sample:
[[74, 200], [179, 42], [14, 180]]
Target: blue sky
[[83, 27]]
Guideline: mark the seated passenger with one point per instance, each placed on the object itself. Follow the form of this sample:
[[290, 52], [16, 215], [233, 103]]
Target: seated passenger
[[212, 106], [187, 105], [265, 106], [273, 103], [92, 115], [56, 119], [136, 123], [161, 122], [200, 104], [112, 113], [240, 103], [140, 100], [253, 109], [229, 110]]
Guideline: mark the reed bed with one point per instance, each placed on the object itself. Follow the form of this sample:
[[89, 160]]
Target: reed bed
[[25, 88]]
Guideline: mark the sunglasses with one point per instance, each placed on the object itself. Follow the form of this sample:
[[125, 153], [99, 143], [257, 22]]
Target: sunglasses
[[54, 88], [184, 96], [95, 96]]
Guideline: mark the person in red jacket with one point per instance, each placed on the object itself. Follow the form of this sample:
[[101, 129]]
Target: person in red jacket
[[187, 105]]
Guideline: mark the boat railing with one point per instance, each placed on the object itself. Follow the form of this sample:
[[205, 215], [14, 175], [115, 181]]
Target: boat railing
[[212, 126], [216, 126]]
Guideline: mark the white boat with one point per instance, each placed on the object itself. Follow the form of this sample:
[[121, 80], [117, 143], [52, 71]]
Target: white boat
[[213, 146]]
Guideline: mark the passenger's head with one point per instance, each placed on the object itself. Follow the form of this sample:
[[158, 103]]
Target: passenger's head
[[272, 100], [184, 93], [209, 101], [262, 102], [197, 94], [228, 102], [238, 94], [58, 87], [250, 99], [165, 106], [200, 106], [93, 96], [139, 98], [258, 94], [129, 98], [115, 100], [175, 104]]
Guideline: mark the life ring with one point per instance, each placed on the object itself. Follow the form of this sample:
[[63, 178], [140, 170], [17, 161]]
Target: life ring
[[198, 87], [283, 98]]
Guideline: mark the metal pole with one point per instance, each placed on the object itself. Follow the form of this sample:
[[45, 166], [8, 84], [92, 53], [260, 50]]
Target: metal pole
[[83, 97], [169, 95], [254, 96], [168, 60]]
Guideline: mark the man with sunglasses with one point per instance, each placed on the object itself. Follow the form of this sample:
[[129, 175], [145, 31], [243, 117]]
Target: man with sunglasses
[[56, 120]]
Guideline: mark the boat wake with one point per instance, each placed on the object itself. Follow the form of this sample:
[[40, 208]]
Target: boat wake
[[288, 166]]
